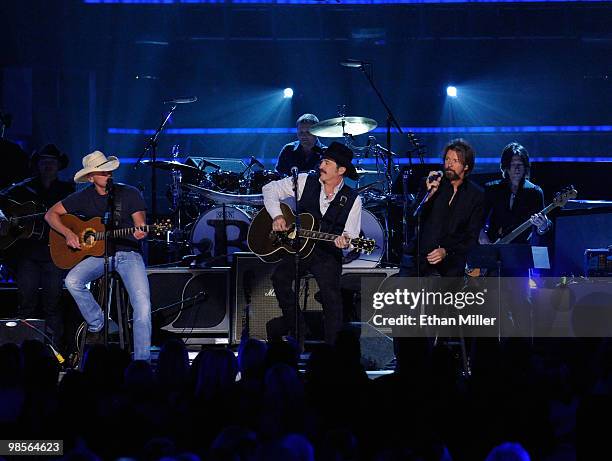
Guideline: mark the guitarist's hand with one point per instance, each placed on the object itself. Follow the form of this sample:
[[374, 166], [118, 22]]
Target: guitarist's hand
[[72, 240], [279, 224], [139, 235], [436, 256], [540, 221], [341, 242]]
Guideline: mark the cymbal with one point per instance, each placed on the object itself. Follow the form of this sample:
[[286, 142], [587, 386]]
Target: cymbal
[[172, 165], [228, 199], [342, 126]]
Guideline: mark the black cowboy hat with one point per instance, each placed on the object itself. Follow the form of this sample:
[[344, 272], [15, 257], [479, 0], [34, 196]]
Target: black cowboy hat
[[343, 156], [49, 151]]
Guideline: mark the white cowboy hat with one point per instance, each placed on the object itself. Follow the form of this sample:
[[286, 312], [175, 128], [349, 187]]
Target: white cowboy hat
[[96, 161]]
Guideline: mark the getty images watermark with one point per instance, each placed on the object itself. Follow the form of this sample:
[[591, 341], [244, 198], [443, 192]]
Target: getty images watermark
[[487, 307]]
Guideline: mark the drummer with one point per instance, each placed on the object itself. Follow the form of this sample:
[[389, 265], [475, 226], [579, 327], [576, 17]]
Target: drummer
[[303, 153]]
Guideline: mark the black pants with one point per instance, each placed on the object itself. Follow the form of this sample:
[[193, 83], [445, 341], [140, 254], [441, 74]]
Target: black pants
[[327, 270], [32, 274]]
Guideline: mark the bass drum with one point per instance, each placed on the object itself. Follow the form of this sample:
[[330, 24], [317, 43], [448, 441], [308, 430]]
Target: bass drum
[[371, 229], [219, 225]]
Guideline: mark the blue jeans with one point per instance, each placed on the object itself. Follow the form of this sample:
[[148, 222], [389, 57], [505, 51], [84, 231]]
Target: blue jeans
[[131, 268]]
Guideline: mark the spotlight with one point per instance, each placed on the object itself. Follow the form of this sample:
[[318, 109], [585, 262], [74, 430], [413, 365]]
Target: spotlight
[[451, 91], [288, 93]]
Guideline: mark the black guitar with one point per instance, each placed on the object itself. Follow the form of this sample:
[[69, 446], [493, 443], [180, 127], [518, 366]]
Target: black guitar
[[26, 220], [559, 200], [272, 246]]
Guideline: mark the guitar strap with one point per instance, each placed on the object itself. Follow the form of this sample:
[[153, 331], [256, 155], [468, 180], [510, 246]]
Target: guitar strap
[[118, 206]]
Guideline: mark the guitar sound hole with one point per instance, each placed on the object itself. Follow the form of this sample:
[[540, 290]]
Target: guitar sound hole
[[89, 238]]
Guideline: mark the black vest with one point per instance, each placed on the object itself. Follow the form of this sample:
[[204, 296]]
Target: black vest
[[336, 215]]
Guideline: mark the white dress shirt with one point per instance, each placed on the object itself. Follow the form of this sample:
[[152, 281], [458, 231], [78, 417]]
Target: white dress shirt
[[276, 191]]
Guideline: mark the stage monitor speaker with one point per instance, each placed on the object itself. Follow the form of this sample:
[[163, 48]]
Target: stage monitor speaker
[[17, 331], [576, 231], [265, 317], [191, 301]]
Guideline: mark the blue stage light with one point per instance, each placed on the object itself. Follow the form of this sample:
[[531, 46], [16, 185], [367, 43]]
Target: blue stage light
[[288, 93], [451, 91]]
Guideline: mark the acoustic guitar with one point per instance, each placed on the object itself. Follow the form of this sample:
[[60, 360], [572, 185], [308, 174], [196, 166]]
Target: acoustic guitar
[[92, 236], [25, 221], [271, 246]]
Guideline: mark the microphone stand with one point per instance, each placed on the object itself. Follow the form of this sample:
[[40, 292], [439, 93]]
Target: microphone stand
[[296, 259], [417, 214], [366, 68], [151, 145], [108, 222]]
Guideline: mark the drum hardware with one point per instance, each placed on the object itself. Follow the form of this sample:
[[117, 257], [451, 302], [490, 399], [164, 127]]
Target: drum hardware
[[225, 198], [260, 178]]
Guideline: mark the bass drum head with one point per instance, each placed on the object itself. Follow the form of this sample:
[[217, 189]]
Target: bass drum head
[[372, 229], [210, 231]]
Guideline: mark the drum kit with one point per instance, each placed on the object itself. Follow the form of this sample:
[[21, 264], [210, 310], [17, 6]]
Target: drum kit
[[213, 200]]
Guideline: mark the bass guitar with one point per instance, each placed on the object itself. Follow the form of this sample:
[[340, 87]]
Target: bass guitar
[[559, 200]]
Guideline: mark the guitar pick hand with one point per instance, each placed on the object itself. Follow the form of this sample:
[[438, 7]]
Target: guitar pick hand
[[72, 240]]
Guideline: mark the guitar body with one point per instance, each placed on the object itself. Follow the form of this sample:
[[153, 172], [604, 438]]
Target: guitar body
[[27, 228], [65, 257], [271, 248]]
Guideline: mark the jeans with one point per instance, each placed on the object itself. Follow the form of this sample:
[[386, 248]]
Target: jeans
[[131, 268]]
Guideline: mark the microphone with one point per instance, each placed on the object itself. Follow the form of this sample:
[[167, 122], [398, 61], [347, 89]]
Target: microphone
[[109, 185], [355, 63], [254, 161], [434, 176], [294, 172], [181, 100]]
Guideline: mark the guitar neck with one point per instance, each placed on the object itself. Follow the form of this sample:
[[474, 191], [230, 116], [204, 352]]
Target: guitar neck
[[17, 219], [523, 227], [124, 232], [318, 235]]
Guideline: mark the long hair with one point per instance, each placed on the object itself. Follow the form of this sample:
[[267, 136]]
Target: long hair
[[512, 149]]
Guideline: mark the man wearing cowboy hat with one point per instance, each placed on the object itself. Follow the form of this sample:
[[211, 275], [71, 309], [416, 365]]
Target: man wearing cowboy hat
[[31, 259], [337, 207], [125, 259]]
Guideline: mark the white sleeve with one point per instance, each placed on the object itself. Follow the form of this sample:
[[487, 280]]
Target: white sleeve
[[353, 223], [275, 191]]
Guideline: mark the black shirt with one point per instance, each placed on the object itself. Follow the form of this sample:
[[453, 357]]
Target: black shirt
[[88, 204], [501, 219], [454, 227], [293, 154], [32, 190]]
